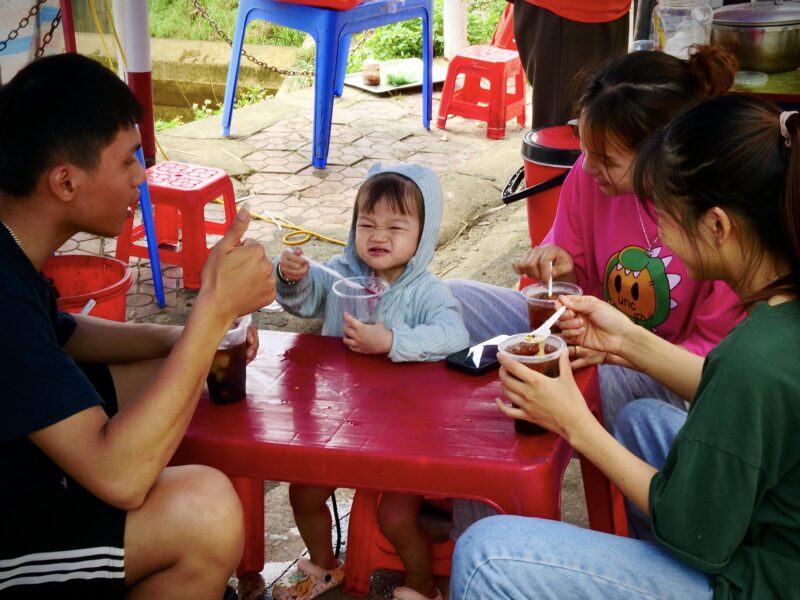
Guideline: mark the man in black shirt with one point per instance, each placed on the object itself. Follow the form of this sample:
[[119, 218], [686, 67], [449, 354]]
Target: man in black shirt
[[91, 411]]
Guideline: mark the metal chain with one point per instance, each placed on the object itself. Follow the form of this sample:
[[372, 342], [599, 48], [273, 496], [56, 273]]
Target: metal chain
[[23, 23], [246, 54], [260, 63], [49, 35]]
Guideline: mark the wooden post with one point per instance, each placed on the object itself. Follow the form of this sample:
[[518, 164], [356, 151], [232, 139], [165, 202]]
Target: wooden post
[[455, 27], [68, 25]]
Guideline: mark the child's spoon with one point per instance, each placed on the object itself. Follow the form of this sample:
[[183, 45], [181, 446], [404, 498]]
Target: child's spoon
[[329, 271]]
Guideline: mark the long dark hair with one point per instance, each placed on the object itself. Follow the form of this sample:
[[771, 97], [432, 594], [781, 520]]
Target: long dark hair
[[729, 152], [632, 95]]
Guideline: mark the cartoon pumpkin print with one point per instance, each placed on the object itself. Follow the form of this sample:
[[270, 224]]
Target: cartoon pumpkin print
[[637, 284]]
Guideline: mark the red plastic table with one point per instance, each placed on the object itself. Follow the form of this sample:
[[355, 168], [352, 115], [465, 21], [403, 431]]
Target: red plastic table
[[318, 413]]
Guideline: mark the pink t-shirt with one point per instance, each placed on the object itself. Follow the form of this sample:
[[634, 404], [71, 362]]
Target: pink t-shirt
[[609, 245]]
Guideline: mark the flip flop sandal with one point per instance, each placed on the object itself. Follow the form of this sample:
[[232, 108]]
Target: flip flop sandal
[[307, 581], [406, 593]]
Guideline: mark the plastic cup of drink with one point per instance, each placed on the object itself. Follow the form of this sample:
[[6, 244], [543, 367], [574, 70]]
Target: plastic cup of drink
[[227, 379], [544, 360], [541, 305], [361, 303]]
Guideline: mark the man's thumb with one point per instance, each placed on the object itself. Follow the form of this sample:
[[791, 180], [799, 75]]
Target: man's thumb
[[238, 227]]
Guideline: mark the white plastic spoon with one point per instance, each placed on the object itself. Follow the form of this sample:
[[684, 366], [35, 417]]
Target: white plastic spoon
[[542, 332], [329, 271]]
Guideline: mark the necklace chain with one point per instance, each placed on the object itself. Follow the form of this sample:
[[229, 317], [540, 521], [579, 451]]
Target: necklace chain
[[14, 237], [644, 231]]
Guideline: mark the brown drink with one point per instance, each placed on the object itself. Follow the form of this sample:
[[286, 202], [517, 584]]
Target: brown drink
[[541, 359], [541, 305], [227, 378]]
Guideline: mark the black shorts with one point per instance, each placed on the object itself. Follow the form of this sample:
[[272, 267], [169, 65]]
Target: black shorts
[[63, 542]]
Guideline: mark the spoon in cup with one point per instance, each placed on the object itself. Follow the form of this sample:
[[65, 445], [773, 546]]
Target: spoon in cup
[[542, 332], [329, 271]]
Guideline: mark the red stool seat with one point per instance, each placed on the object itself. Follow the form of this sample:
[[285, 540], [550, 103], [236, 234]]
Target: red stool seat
[[179, 193], [495, 105], [368, 549]]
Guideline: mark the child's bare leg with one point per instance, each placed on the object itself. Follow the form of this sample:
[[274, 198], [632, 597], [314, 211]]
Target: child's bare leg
[[398, 516], [313, 520]]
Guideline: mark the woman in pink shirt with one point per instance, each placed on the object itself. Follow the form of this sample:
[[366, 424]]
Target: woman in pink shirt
[[606, 239]]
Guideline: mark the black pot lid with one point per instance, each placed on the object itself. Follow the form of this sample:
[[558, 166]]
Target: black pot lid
[[759, 14], [555, 146]]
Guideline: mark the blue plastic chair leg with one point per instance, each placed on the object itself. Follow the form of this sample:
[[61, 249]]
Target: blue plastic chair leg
[[324, 84], [341, 67], [427, 68], [150, 235], [233, 70]]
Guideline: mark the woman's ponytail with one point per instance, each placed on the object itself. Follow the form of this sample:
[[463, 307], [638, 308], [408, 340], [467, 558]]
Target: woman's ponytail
[[714, 69]]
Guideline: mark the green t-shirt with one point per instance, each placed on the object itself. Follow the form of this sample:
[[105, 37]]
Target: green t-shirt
[[728, 498]]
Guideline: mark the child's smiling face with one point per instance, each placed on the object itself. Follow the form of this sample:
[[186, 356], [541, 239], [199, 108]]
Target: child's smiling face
[[386, 239]]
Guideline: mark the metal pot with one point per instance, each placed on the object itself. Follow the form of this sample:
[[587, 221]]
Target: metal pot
[[764, 36]]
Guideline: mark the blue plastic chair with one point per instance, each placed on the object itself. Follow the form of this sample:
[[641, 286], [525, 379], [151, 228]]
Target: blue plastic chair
[[146, 207], [331, 30]]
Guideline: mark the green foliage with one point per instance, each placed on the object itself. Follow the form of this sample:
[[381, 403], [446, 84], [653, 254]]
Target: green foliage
[[178, 19], [162, 125], [404, 39], [399, 78]]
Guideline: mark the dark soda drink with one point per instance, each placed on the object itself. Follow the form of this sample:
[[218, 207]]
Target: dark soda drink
[[228, 375], [542, 305], [543, 360], [539, 312]]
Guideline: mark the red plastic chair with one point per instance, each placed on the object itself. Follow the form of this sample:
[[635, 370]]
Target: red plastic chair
[[369, 550], [496, 63], [179, 193]]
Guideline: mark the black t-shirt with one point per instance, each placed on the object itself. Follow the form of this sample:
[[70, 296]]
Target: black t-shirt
[[40, 384]]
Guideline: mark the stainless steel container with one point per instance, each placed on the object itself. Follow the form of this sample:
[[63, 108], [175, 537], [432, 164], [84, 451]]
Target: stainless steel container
[[764, 36]]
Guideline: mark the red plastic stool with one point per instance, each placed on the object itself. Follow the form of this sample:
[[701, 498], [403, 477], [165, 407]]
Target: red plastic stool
[[368, 549], [179, 193], [495, 105]]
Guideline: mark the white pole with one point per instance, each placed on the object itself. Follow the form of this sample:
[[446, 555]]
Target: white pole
[[455, 27], [136, 44]]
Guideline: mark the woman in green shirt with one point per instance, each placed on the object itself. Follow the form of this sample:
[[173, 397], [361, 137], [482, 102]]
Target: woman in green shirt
[[721, 486]]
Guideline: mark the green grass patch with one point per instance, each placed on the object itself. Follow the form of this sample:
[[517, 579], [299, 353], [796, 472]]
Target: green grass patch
[[178, 19]]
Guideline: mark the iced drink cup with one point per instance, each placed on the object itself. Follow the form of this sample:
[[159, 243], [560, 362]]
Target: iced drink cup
[[541, 305], [361, 303], [227, 379], [534, 356]]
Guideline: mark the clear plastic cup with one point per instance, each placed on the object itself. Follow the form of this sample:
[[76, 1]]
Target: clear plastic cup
[[361, 303], [528, 354], [541, 306], [227, 379]]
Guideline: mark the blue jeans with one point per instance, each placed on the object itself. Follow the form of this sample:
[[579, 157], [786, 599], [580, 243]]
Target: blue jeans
[[524, 557]]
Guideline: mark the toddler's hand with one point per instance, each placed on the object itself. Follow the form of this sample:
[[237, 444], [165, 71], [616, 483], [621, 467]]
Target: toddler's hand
[[366, 338], [292, 266]]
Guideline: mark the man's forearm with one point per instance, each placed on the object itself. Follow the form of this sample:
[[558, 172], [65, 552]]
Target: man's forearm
[[100, 340]]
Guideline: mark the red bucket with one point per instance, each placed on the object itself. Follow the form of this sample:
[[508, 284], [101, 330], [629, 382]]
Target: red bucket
[[78, 279], [548, 153]]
